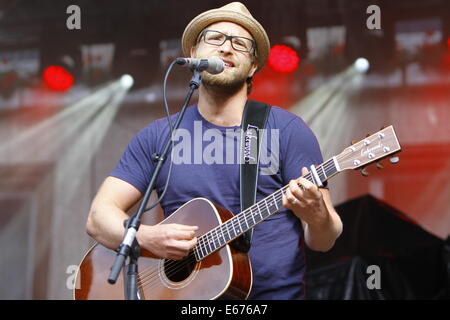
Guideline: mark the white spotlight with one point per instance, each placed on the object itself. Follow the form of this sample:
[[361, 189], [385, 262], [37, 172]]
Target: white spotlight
[[126, 81], [362, 65]]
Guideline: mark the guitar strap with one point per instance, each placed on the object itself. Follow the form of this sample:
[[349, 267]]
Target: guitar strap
[[254, 120]]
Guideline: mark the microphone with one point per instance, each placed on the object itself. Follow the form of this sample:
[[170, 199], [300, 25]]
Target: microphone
[[213, 65]]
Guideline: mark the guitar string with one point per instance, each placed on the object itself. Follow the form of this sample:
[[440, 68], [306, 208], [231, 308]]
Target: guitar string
[[152, 278], [215, 237], [146, 279], [243, 216], [278, 195], [211, 237], [202, 241], [170, 269], [179, 265], [325, 166]]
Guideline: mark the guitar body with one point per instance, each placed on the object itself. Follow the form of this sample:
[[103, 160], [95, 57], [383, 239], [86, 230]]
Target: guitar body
[[225, 273]]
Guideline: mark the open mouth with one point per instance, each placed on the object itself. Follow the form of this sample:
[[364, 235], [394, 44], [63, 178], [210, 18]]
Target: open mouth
[[228, 63]]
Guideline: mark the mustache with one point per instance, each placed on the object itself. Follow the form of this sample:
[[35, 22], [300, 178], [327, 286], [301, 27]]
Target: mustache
[[227, 60]]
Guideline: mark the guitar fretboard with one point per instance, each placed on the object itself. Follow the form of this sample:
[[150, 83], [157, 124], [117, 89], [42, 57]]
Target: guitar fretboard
[[250, 217]]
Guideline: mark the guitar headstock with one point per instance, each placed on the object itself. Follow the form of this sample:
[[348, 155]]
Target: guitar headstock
[[373, 148]]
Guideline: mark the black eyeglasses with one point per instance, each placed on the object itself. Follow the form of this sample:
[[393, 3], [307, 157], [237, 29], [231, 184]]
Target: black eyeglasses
[[217, 38]]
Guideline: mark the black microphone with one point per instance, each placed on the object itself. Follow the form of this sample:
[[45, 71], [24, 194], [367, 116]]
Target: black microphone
[[213, 65]]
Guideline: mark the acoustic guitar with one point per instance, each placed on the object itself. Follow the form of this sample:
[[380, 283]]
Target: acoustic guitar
[[213, 268]]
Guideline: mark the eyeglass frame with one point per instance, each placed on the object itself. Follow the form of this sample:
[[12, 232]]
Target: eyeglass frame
[[227, 37]]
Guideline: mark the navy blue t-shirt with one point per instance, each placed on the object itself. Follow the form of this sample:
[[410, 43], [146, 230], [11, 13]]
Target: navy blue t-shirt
[[205, 158]]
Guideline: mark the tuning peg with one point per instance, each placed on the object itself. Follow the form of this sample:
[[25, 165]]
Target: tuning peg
[[394, 159], [364, 172], [380, 165]]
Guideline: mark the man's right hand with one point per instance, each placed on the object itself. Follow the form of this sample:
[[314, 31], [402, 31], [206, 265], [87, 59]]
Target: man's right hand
[[167, 241]]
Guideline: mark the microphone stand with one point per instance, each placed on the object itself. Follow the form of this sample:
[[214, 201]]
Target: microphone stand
[[130, 246]]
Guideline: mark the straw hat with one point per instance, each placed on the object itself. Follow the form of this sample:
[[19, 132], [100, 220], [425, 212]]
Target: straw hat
[[234, 12]]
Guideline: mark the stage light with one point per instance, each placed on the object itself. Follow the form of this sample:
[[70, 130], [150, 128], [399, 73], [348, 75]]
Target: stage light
[[362, 65], [283, 59], [58, 78], [126, 81]]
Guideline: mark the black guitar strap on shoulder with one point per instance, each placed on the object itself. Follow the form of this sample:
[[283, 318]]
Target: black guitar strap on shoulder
[[254, 120]]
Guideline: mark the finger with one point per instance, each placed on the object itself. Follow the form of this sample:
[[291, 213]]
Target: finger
[[309, 185], [299, 192], [183, 234], [286, 202], [190, 244], [295, 189], [184, 227], [305, 182], [311, 191], [183, 247], [176, 255], [305, 172], [289, 199], [179, 249], [181, 231]]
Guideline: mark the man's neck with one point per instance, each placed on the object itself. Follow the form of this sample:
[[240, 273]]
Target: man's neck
[[222, 108]]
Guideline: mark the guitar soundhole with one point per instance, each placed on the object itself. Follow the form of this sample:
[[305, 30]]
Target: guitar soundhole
[[179, 270]]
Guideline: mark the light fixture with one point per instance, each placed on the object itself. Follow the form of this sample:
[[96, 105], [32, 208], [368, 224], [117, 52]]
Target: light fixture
[[126, 81], [362, 65]]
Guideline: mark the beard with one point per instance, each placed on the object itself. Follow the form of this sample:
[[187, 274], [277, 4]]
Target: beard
[[229, 81]]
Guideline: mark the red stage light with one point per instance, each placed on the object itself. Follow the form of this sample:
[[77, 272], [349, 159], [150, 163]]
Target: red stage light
[[283, 59], [58, 78]]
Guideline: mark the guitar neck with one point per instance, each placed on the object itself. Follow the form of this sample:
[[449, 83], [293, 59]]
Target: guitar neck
[[250, 217], [375, 147]]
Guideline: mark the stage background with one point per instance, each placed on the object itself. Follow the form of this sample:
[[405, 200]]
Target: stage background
[[57, 146]]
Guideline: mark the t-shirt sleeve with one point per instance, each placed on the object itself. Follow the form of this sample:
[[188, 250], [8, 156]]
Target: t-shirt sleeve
[[299, 148], [135, 166]]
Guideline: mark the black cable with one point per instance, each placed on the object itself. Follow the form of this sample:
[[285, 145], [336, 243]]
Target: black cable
[[166, 107]]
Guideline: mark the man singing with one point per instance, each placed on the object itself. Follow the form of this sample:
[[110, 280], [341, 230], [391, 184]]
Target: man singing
[[277, 251]]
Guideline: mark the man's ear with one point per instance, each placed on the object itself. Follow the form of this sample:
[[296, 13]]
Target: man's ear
[[253, 70], [193, 51]]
